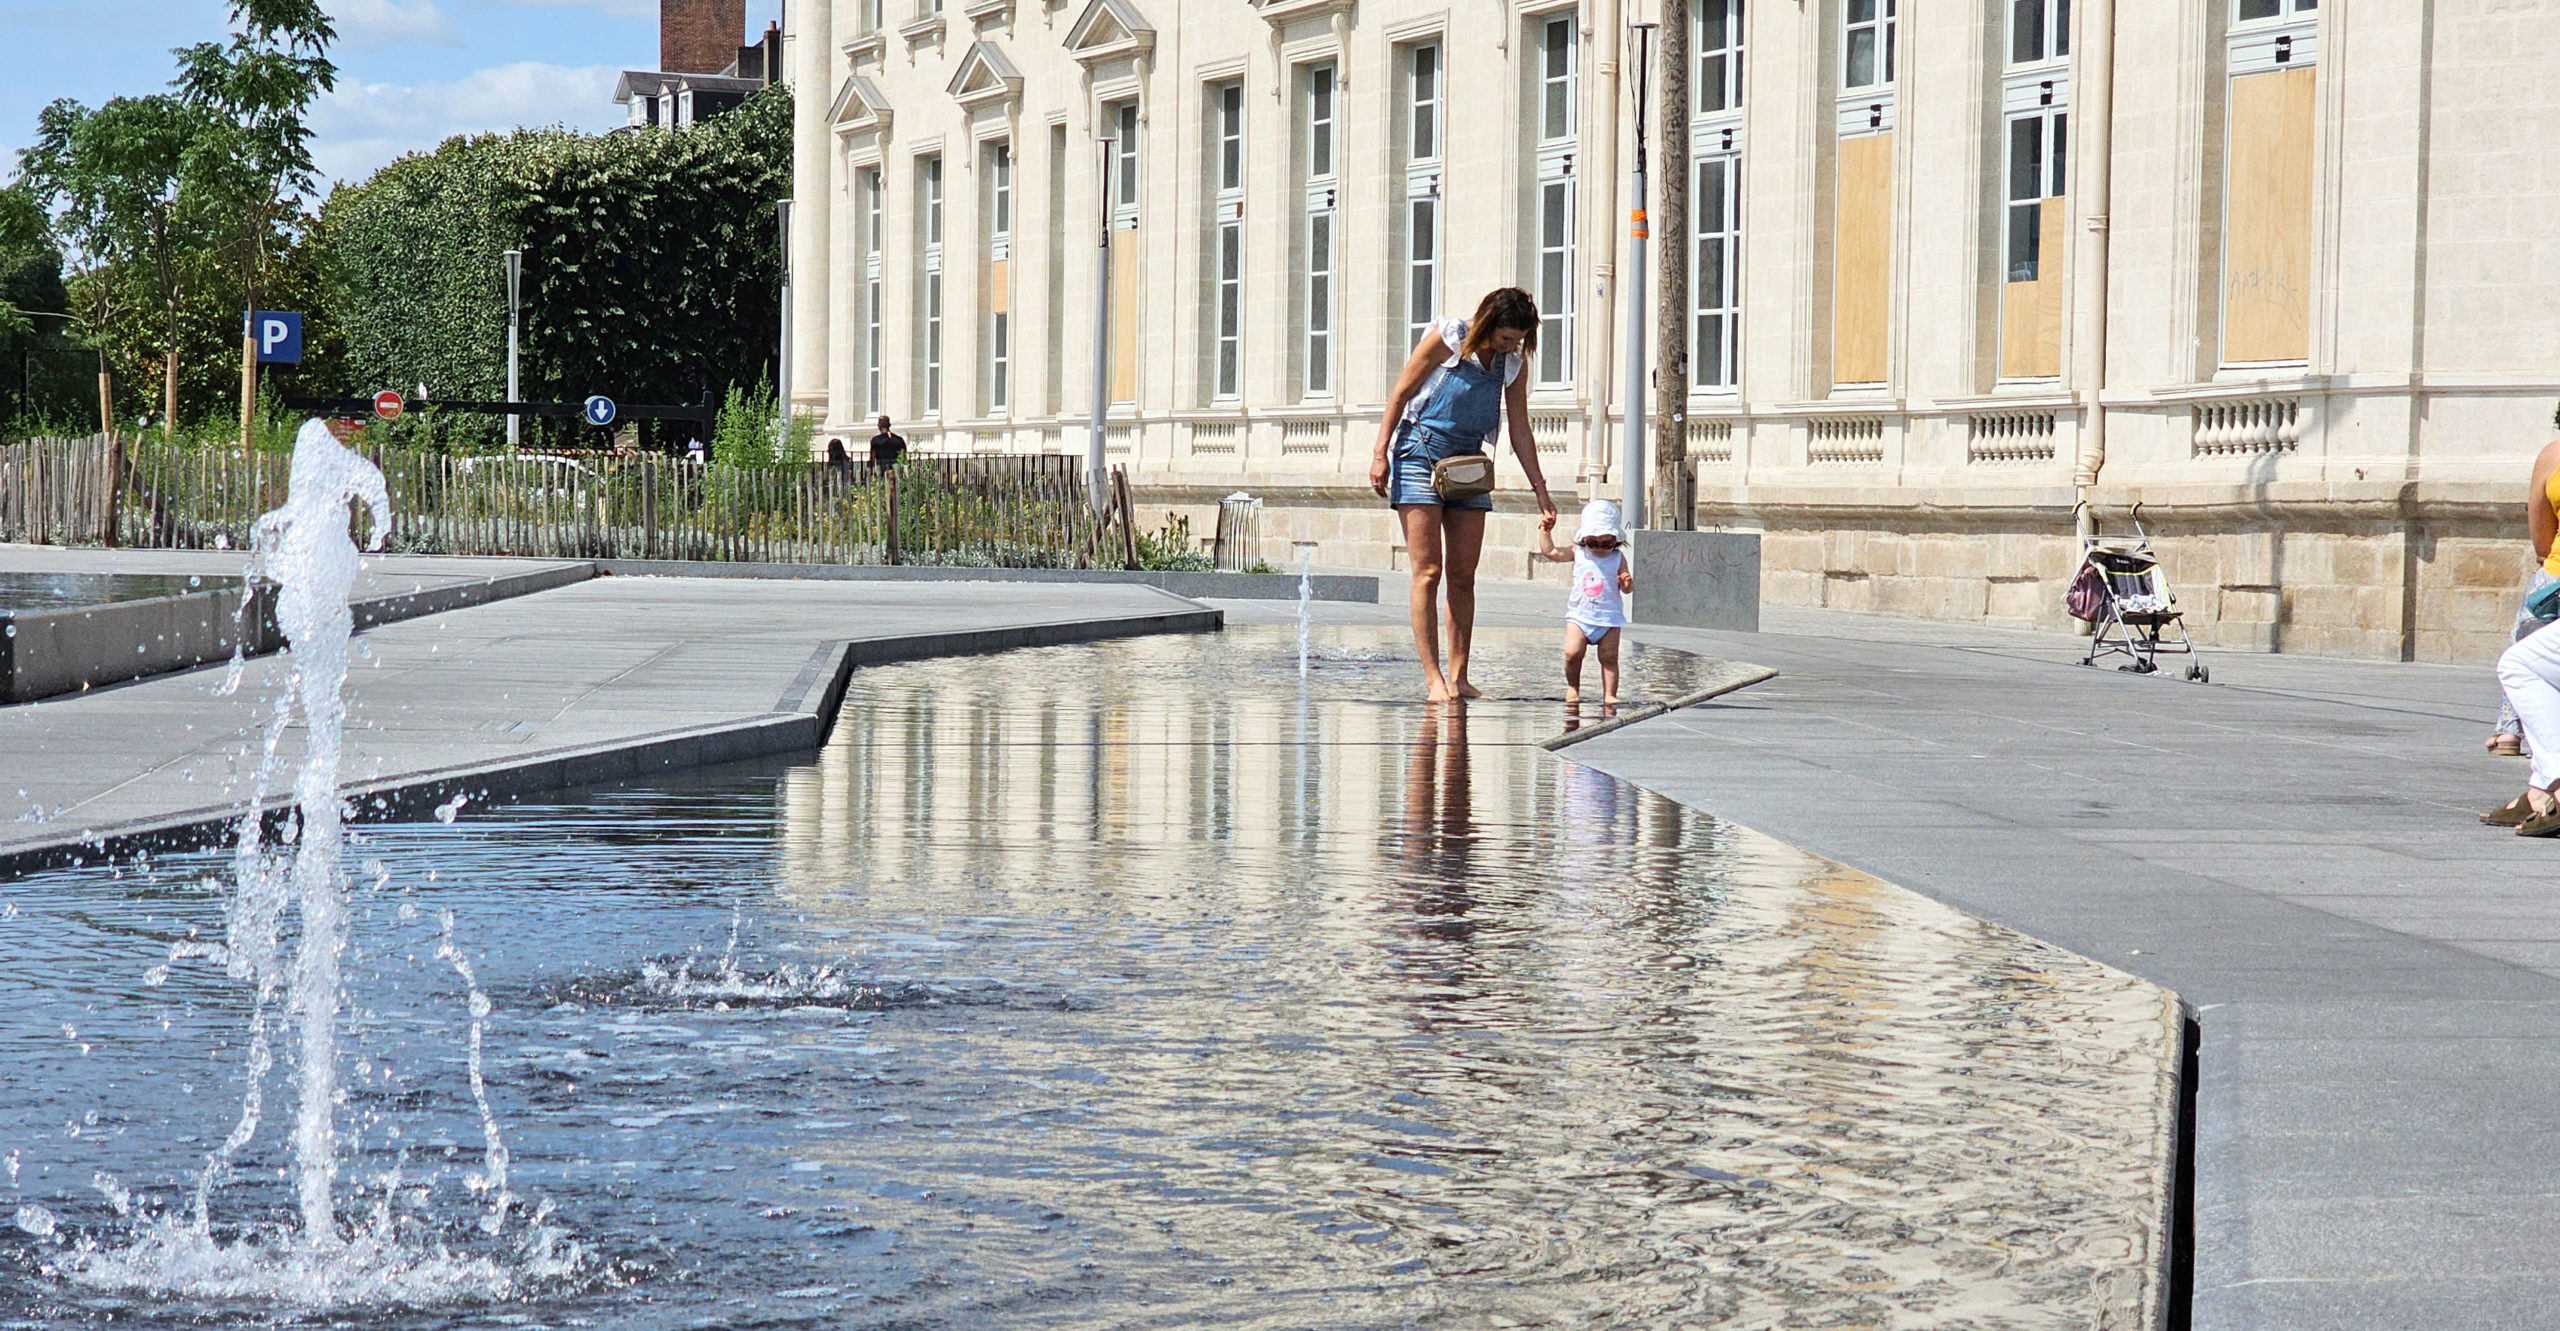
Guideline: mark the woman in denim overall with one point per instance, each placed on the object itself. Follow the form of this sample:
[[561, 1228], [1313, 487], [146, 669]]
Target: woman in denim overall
[[1461, 381]]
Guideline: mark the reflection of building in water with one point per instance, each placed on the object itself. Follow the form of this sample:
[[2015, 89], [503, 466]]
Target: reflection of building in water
[[1309, 900]]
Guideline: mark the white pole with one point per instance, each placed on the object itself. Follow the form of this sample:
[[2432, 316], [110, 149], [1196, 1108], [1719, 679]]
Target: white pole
[[1631, 464], [782, 372], [1095, 480], [515, 286]]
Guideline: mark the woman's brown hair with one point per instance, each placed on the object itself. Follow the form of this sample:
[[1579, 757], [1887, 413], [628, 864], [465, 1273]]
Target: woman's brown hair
[[1505, 307]]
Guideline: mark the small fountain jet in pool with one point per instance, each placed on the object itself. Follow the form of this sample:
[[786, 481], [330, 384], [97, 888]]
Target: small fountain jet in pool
[[305, 546]]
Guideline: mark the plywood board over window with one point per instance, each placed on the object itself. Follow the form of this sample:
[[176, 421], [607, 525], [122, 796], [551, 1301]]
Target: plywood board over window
[[2031, 312], [1124, 316], [1862, 260], [2266, 275]]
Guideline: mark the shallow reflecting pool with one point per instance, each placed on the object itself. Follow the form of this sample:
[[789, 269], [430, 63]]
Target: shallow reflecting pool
[[1147, 984], [27, 590]]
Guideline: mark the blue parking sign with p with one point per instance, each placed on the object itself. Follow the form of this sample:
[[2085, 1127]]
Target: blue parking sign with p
[[279, 335]]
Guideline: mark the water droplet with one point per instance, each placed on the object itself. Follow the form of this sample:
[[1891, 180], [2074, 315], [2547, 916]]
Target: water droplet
[[34, 1220]]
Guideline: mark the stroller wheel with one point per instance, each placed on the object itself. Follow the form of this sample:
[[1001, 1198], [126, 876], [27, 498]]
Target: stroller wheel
[[2197, 674]]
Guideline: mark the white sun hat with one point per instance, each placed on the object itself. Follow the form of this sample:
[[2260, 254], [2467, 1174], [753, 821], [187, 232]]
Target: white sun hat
[[1599, 518]]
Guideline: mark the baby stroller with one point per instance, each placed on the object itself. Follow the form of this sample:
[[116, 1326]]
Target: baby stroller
[[2131, 612]]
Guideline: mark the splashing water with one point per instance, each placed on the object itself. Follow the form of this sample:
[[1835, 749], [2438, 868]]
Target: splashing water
[[305, 548], [494, 1180], [1306, 594]]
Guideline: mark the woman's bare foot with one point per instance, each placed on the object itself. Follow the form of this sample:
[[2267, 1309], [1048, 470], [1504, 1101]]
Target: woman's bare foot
[[1572, 696], [1467, 690], [1440, 692], [1609, 700]]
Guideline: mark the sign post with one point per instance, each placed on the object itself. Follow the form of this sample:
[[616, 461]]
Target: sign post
[[515, 275]]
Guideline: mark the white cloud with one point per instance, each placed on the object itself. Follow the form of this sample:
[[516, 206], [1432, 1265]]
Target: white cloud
[[360, 126], [391, 22], [632, 9]]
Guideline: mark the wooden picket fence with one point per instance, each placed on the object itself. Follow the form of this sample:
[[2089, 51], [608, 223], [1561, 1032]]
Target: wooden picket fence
[[999, 511], [57, 491]]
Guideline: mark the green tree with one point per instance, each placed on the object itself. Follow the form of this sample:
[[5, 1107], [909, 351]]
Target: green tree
[[136, 188], [256, 90], [45, 369], [652, 268]]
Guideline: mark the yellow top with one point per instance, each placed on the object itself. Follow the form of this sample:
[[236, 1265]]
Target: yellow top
[[2551, 496]]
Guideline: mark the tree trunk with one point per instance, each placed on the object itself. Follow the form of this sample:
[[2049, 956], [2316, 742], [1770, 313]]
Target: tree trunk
[[169, 390], [1672, 506]]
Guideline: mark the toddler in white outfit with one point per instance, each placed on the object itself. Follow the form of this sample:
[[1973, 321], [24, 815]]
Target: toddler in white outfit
[[1596, 608]]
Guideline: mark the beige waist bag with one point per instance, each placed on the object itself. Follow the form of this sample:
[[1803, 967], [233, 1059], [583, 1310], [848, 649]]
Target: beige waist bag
[[1465, 476]]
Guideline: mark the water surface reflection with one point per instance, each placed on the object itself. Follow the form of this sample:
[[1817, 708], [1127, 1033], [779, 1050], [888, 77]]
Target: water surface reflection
[[1136, 985]]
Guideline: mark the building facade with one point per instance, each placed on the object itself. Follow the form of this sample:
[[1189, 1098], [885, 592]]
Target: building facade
[[2266, 267]]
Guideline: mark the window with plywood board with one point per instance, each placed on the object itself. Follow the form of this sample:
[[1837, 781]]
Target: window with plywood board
[[2266, 265], [1862, 260]]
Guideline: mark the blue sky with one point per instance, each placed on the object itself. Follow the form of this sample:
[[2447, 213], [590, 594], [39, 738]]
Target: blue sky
[[410, 72]]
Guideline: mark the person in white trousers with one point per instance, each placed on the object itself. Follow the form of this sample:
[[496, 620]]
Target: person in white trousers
[[2529, 672]]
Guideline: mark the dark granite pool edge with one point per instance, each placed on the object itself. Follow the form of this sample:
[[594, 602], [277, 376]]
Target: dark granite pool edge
[[798, 723], [53, 652], [1743, 675]]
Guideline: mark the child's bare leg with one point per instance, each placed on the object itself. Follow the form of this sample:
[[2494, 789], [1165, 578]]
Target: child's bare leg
[[1574, 644], [1608, 667]]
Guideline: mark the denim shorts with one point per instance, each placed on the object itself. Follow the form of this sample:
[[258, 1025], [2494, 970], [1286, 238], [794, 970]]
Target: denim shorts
[[1409, 474]]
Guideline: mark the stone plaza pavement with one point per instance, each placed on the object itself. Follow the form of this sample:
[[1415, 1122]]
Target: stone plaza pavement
[[686, 670], [2292, 848]]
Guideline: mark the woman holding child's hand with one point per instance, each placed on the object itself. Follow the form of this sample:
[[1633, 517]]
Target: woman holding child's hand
[[1461, 382]]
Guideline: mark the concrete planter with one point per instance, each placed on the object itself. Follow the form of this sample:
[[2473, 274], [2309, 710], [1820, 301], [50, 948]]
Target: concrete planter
[[1698, 579]]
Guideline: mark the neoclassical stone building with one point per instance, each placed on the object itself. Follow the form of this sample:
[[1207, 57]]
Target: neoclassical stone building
[[2269, 267]]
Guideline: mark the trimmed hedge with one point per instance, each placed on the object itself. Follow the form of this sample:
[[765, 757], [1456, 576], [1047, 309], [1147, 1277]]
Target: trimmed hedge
[[651, 268]]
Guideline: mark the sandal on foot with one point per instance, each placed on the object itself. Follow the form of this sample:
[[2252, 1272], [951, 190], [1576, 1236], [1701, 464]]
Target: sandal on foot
[[2507, 746], [2541, 824], [2513, 813]]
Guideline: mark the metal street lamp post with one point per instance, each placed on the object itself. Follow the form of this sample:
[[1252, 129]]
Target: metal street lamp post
[[515, 282], [1093, 447], [1639, 230]]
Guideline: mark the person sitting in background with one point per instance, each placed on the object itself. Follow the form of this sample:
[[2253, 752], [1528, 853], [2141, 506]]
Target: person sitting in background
[[2541, 519], [886, 447]]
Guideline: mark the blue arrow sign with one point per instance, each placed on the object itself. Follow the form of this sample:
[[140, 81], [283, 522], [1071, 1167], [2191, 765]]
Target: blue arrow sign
[[599, 410], [279, 334]]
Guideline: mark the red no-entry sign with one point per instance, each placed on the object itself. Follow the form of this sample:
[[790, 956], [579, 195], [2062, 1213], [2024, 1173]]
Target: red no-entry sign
[[386, 404]]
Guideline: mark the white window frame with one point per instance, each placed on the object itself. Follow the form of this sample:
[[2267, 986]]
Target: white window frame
[[1226, 356], [1721, 66], [1878, 21], [1426, 77], [1554, 202], [999, 250], [874, 218], [2051, 42], [2281, 10], [1715, 143], [2030, 183], [1320, 108], [932, 227], [1716, 248]]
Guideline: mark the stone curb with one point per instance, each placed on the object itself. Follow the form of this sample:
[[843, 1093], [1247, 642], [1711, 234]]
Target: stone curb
[[799, 722], [1205, 586], [1744, 676]]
